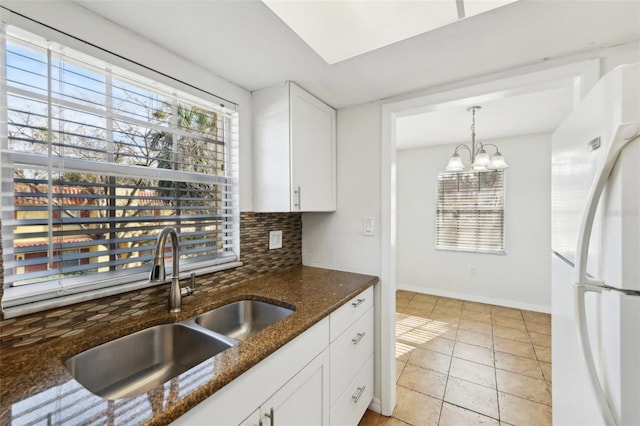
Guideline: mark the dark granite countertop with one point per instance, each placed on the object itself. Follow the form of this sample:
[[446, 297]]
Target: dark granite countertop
[[36, 388]]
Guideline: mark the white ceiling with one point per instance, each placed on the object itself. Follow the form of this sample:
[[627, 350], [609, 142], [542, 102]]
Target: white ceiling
[[531, 113], [246, 43]]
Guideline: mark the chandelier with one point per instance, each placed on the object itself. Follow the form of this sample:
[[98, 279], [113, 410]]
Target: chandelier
[[479, 160]]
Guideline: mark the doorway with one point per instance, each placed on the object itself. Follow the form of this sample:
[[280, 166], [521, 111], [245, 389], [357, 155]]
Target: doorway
[[579, 77]]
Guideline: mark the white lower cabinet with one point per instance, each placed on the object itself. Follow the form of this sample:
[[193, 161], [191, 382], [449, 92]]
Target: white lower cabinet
[[322, 377], [305, 357], [302, 401], [351, 354], [355, 399]]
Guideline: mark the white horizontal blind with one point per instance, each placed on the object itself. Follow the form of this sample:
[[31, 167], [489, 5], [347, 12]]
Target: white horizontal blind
[[97, 160], [470, 211]]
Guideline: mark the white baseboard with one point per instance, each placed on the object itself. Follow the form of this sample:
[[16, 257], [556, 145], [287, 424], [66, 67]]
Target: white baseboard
[[474, 298], [375, 405]]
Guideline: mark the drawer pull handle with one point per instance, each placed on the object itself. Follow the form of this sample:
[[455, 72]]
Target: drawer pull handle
[[270, 415], [358, 337], [356, 396], [299, 196], [358, 302]]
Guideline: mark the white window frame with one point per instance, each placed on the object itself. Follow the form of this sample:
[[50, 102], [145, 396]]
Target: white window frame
[[457, 248], [41, 296]]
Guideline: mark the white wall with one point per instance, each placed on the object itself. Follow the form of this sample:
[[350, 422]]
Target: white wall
[[76, 21], [335, 240], [521, 277]]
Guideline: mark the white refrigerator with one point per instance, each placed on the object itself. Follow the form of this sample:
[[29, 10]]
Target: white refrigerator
[[596, 256]]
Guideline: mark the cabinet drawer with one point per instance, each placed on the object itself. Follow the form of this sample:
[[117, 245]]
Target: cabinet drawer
[[351, 311], [355, 399], [349, 352]]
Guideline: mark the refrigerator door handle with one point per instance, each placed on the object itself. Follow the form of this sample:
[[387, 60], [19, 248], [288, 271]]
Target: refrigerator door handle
[[625, 133], [583, 337]]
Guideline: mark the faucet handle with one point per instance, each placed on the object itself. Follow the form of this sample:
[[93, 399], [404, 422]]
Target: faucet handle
[[191, 288]]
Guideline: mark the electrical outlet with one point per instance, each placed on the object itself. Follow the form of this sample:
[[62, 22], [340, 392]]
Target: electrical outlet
[[472, 271], [275, 240]]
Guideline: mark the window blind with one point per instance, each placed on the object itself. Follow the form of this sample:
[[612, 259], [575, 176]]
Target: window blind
[[96, 160], [470, 211]]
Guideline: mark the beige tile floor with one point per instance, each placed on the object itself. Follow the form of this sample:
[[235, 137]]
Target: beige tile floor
[[468, 363]]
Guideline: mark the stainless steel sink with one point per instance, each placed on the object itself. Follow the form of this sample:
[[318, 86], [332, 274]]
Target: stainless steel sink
[[139, 362], [243, 318]]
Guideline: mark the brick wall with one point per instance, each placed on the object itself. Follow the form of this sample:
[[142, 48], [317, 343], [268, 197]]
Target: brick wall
[[73, 319]]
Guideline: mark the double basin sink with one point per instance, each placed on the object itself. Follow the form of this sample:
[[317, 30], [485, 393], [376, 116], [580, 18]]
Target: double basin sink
[[139, 362]]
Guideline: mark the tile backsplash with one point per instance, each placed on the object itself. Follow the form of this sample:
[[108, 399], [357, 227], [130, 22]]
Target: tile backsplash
[[70, 320]]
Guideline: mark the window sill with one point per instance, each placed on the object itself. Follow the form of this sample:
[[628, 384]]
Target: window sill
[[498, 252], [17, 310]]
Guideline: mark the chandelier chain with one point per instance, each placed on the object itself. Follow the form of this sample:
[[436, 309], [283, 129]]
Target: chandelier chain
[[473, 122], [473, 118]]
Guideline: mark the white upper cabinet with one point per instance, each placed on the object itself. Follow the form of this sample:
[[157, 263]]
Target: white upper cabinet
[[294, 139]]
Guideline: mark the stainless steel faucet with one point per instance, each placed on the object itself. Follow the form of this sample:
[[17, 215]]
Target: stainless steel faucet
[[158, 272]]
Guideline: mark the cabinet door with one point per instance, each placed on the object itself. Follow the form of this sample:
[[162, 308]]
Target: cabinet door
[[304, 400], [236, 402], [313, 153], [271, 150]]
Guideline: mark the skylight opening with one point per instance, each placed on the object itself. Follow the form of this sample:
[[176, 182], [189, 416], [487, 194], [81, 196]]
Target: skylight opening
[[343, 29]]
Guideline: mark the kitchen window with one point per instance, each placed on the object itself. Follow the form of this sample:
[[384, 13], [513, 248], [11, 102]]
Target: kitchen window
[[96, 160], [470, 212]]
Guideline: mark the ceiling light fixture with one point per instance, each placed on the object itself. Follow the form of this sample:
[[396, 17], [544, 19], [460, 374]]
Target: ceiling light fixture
[[479, 159]]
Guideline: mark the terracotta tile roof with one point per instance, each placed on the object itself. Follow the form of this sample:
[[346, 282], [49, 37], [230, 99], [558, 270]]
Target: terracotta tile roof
[[74, 195], [33, 242], [147, 198]]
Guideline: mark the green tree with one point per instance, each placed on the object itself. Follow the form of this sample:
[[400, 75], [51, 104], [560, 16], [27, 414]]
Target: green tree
[[180, 152]]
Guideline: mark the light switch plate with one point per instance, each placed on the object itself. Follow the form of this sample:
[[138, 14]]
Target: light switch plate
[[367, 226], [275, 240]]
